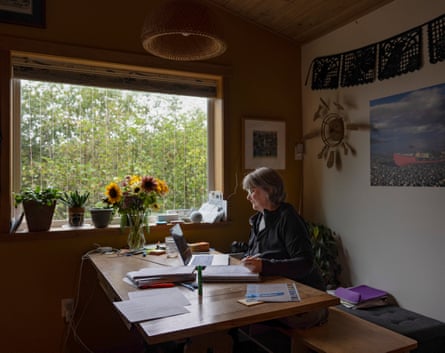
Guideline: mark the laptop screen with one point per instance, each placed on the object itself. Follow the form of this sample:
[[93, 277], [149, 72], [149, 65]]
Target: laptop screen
[[181, 244]]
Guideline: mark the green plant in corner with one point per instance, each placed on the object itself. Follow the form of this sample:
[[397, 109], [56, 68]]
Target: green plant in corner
[[74, 198], [325, 248]]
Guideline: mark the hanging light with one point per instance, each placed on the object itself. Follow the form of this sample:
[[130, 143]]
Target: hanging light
[[182, 30]]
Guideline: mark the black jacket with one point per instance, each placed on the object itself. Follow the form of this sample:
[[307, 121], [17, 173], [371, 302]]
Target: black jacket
[[285, 246]]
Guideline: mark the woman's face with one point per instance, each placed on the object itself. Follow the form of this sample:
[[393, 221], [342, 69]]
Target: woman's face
[[258, 198]]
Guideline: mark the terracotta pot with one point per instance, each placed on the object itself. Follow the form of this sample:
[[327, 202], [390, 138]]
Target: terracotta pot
[[76, 216], [38, 216]]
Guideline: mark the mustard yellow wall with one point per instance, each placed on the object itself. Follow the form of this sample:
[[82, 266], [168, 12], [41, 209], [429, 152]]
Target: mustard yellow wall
[[261, 79]]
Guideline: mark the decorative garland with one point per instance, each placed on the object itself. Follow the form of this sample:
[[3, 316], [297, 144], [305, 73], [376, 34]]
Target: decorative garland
[[396, 56], [358, 66], [400, 54], [436, 39]]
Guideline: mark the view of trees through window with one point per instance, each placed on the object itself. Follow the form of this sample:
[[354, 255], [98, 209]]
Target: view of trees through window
[[81, 138]]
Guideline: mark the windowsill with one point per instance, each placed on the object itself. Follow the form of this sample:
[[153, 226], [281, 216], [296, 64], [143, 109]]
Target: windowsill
[[69, 232]]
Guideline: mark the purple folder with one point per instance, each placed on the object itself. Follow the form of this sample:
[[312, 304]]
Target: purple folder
[[359, 294]]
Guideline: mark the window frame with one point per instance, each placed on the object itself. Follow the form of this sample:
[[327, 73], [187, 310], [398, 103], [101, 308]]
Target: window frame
[[215, 116]]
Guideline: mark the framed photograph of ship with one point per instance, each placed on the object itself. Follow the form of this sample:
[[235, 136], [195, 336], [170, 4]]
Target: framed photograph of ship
[[264, 143], [408, 138]]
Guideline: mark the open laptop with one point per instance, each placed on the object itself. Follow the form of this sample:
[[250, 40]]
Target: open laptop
[[190, 259]]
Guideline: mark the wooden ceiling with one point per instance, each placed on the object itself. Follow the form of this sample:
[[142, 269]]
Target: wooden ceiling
[[299, 20]]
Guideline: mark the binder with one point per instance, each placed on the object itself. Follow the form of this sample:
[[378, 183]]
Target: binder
[[359, 294]]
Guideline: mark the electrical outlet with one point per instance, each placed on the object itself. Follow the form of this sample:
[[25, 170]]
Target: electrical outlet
[[299, 151], [67, 308]]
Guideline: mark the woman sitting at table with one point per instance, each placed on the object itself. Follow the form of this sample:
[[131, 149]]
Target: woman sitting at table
[[279, 243]]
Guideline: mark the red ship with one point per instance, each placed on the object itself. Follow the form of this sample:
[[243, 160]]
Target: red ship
[[402, 159]]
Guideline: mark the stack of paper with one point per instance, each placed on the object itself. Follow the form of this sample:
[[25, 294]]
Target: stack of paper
[[272, 292], [229, 273], [155, 275], [153, 304]]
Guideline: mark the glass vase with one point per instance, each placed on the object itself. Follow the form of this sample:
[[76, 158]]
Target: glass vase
[[136, 237]]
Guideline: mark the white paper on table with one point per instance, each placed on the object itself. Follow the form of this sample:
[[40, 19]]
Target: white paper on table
[[172, 294], [229, 273], [153, 305]]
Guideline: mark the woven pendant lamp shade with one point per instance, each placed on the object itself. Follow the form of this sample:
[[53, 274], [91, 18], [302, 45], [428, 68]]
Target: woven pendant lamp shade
[[182, 30]]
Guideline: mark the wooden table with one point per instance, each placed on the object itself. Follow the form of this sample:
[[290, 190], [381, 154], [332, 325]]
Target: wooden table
[[217, 310]]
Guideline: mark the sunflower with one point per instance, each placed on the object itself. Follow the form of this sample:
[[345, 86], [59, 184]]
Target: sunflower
[[134, 179], [135, 193], [156, 206], [113, 193], [136, 189], [162, 187], [149, 183]]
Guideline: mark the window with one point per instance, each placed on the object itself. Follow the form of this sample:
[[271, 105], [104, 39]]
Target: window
[[79, 125]]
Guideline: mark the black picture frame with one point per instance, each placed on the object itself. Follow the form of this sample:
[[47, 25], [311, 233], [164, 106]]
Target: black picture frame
[[24, 12], [264, 143]]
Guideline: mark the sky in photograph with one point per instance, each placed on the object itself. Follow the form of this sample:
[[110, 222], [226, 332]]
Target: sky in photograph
[[409, 122]]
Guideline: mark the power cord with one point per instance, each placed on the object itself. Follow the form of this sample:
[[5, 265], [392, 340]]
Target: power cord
[[72, 325]]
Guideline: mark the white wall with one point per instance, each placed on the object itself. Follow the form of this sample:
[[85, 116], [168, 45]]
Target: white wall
[[394, 237]]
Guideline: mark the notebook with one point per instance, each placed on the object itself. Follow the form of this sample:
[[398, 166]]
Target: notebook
[[190, 259], [230, 273], [149, 276]]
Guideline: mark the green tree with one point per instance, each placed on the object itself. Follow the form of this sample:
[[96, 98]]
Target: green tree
[[79, 137]]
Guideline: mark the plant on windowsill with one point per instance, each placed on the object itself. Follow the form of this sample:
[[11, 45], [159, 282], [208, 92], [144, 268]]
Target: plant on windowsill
[[75, 201], [101, 214], [325, 248], [38, 205]]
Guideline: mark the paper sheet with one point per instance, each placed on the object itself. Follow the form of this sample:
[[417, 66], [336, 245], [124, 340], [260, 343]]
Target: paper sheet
[[269, 292], [152, 304], [229, 273], [172, 294]]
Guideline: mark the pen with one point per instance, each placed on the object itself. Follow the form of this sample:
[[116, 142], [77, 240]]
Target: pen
[[188, 285], [157, 285], [199, 268], [135, 252], [264, 253]]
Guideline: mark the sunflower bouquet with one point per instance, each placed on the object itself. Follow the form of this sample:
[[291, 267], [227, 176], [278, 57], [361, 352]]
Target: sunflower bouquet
[[134, 197]]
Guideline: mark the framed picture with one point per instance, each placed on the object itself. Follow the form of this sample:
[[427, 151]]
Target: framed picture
[[264, 144], [23, 12]]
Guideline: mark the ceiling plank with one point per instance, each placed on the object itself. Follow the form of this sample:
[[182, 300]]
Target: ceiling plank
[[299, 20]]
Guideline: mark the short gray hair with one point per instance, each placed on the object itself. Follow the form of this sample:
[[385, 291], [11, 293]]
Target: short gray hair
[[268, 180]]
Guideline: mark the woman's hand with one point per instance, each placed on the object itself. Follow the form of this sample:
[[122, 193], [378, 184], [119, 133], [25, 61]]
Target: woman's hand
[[254, 264]]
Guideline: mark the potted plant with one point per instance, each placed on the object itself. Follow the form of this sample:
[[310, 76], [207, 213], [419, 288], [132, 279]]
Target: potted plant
[[101, 214], [75, 201], [38, 205], [324, 245]]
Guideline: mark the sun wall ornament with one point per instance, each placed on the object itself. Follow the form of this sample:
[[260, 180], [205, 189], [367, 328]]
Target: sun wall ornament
[[334, 132]]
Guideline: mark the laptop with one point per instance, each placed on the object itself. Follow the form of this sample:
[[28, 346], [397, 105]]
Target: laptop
[[190, 259]]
